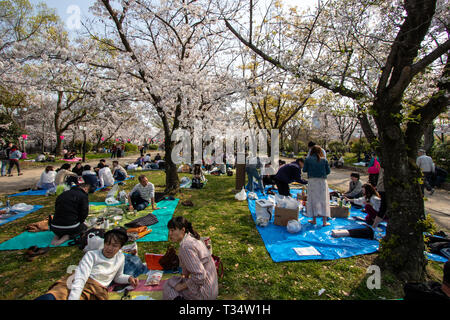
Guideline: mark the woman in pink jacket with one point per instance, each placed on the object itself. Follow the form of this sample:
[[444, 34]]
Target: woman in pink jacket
[[199, 276]]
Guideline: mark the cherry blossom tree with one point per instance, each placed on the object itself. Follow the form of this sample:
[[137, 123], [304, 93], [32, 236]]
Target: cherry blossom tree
[[380, 54], [167, 55]]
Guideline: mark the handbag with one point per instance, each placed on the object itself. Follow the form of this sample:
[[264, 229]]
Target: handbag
[[375, 169], [219, 265], [170, 260]]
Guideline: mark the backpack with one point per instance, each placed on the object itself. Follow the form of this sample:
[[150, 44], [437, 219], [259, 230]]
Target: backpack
[[196, 183], [375, 168]]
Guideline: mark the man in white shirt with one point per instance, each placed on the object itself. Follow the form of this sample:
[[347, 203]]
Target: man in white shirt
[[95, 272], [141, 195], [425, 163], [105, 176]]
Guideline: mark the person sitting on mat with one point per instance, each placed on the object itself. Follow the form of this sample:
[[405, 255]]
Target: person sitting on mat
[[105, 176], [289, 173], [95, 272], [119, 173], [91, 178], [371, 201], [197, 173], [355, 187], [47, 180], [71, 210], [64, 175], [141, 195], [78, 169], [199, 274]]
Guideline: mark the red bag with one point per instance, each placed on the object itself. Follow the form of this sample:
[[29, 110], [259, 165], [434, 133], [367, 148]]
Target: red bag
[[375, 168], [219, 266]]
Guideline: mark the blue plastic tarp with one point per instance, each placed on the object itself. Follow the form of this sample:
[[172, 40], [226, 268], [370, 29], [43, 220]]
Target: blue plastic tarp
[[19, 215], [281, 244]]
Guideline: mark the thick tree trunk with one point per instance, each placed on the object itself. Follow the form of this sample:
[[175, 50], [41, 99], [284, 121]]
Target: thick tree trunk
[[402, 250], [428, 138], [172, 181]]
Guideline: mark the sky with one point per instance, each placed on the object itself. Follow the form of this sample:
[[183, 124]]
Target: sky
[[68, 10]]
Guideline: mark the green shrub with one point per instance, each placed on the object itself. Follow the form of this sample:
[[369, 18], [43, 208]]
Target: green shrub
[[337, 147], [360, 146], [79, 145], [153, 147], [441, 155], [129, 147]]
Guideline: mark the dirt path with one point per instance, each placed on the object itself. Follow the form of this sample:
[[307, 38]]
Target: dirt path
[[438, 205]]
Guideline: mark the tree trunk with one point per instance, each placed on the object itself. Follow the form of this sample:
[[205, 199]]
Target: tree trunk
[[402, 250], [172, 182], [58, 148], [428, 138]]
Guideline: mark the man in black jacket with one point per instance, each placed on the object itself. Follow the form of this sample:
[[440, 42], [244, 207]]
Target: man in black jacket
[[71, 210]]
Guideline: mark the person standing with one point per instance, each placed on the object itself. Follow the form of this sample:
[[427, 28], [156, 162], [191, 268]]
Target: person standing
[[251, 167], [14, 157], [4, 157], [311, 144], [374, 169], [426, 164], [199, 275], [318, 204], [113, 151]]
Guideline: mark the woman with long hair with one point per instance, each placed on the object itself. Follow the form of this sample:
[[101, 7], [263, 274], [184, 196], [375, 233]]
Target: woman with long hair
[[371, 201], [199, 275], [318, 204]]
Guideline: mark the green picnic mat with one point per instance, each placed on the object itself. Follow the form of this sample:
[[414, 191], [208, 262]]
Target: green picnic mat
[[159, 230]]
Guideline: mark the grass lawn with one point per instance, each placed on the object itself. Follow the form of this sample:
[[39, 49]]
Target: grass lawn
[[249, 273]]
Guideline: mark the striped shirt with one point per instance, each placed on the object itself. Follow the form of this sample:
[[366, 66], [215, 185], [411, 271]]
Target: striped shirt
[[199, 269], [146, 192]]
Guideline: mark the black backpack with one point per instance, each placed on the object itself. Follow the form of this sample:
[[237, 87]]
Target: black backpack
[[196, 183]]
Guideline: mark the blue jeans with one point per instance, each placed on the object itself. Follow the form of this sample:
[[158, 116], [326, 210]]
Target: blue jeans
[[4, 164], [252, 172], [47, 296]]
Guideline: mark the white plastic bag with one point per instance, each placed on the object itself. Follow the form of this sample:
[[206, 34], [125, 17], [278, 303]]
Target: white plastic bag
[[123, 197], [252, 196], [113, 192], [94, 242], [22, 207], [293, 226], [291, 203], [241, 195], [111, 201], [262, 221]]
